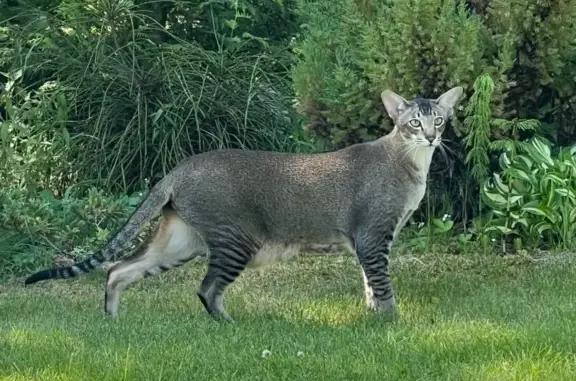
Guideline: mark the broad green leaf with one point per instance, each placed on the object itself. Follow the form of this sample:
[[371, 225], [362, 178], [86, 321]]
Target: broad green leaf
[[496, 198], [519, 186], [502, 188], [504, 161], [542, 226], [524, 162], [573, 216], [565, 192], [520, 221], [464, 238], [504, 229], [539, 212], [519, 174], [438, 223], [543, 151], [554, 178], [514, 199], [502, 221]]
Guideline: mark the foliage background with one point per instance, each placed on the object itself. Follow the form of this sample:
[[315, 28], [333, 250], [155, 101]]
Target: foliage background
[[100, 98], [354, 49], [121, 90]]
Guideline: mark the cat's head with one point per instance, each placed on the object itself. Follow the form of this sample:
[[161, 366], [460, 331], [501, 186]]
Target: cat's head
[[421, 121]]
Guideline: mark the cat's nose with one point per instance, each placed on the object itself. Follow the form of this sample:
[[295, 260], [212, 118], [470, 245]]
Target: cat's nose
[[431, 139]]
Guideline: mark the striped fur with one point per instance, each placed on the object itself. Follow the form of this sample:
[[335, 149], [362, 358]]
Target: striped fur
[[246, 209]]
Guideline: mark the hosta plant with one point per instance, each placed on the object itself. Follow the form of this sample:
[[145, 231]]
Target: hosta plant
[[533, 198]]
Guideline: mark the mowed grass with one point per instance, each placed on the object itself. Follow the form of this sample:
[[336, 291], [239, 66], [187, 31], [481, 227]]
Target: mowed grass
[[461, 318]]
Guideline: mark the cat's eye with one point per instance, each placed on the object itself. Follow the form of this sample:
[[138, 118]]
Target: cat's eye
[[438, 121], [415, 123]]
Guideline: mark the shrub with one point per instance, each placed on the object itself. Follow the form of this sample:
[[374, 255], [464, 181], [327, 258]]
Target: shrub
[[135, 87], [533, 198]]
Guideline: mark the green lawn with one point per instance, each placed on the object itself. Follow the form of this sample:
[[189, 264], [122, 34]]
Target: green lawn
[[462, 318]]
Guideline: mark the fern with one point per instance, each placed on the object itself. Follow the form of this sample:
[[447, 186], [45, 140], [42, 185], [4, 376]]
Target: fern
[[512, 128], [478, 126]]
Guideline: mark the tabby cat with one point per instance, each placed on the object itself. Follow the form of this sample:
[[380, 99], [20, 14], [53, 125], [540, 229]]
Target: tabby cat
[[247, 208]]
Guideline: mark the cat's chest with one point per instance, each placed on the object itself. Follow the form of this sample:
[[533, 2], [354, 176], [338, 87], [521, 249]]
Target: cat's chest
[[414, 196]]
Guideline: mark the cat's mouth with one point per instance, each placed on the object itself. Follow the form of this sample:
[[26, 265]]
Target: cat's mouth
[[427, 144]]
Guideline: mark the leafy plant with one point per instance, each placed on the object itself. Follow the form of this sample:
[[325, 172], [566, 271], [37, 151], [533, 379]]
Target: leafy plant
[[478, 127], [137, 86], [533, 198]]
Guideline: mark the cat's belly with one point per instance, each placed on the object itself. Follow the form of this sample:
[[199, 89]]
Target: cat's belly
[[271, 253], [274, 252]]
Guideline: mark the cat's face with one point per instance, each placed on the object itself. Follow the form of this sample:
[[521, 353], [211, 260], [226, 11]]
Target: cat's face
[[421, 121]]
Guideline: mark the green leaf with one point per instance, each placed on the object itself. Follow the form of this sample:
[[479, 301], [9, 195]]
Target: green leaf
[[464, 238], [496, 198], [524, 162], [502, 188], [543, 151], [520, 221], [519, 186], [504, 161], [501, 229], [520, 174], [554, 178], [514, 199], [565, 192], [540, 212], [573, 216], [542, 226]]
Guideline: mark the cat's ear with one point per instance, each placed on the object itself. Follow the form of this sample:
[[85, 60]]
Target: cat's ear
[[448, 99], [394, 103]]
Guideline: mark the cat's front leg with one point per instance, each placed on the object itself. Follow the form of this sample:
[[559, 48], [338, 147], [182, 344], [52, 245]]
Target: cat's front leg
[[373, 251]]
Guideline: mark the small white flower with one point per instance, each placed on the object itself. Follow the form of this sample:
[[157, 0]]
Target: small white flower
[[266, 353], [444, 217], [300, 354], [420, 224], [493, 239]]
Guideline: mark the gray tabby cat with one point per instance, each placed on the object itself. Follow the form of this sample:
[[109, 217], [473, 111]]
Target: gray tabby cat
[[250, 208]]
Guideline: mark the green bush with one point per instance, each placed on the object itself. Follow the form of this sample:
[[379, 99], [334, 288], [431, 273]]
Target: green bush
[[533, 198], [135, 87]]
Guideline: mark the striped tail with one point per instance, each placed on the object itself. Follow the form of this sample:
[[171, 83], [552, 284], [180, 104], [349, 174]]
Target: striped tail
[[147, 210]]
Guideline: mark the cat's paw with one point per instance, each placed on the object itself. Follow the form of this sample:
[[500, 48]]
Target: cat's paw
[[386, 307]]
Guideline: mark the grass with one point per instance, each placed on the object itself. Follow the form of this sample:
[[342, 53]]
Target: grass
[[462, 318]]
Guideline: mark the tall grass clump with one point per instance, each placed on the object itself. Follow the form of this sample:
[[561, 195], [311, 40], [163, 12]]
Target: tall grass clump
[[134, 88]]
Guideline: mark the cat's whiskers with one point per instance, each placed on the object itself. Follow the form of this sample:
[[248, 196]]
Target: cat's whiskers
[[409, 148], [444, 146], [441, 146]]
